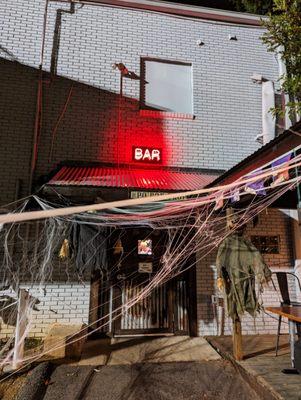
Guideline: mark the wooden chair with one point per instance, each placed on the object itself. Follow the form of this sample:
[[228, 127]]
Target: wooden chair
[[286, 299]]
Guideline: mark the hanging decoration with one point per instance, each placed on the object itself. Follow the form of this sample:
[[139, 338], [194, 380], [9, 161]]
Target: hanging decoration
[[79, 237]]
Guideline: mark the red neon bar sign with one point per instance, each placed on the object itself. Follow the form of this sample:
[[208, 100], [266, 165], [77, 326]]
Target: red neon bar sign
[[147, 155]]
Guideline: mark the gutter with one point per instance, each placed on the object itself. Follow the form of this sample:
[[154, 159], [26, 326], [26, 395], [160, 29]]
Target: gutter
[[182, 10]]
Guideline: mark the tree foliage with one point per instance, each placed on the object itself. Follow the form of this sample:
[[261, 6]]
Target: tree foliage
[[283, 35], [253, 6]]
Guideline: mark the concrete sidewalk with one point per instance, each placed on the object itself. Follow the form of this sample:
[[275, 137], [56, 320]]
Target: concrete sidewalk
[[261, 366], [124, 351], [167, 368], [205, 380]]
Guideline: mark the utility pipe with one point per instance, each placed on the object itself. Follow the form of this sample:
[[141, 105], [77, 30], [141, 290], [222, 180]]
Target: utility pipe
[[282, 72], [38, 115]]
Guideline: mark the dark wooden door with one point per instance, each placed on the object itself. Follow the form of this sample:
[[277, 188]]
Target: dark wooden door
[[165, 309], [169, 308]]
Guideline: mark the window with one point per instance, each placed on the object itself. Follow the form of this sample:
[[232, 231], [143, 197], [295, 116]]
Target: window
[[166, 86], [266, 244]]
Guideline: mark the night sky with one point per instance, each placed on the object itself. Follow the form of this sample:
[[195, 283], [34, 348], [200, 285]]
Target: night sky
[[221, 4]]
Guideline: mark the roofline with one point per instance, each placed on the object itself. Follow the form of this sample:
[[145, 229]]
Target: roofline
[[287, 141], [179, 10], [80, 163]]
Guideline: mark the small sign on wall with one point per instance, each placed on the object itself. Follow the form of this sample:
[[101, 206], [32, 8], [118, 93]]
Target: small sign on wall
[[139, 194], [145, 267], [147, 155]]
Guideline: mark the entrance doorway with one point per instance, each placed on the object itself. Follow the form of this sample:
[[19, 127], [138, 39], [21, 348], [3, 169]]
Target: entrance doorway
[[163, 311], [168, 309]]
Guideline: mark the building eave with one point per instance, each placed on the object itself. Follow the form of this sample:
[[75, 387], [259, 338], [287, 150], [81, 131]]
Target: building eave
[[287, 141], [177, 9]]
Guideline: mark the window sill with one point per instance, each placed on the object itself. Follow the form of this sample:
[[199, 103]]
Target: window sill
[[166, 114]]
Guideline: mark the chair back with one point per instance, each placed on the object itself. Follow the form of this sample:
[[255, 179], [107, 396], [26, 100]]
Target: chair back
[[283, 286]]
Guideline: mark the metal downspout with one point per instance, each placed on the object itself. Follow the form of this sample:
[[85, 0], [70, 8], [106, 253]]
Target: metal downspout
[[38, 115]]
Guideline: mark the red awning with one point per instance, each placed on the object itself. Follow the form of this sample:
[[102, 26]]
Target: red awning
[[130, 178]]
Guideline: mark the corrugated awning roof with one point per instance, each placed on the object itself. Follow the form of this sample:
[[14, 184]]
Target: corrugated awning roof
[[147, 179], [287, 141]]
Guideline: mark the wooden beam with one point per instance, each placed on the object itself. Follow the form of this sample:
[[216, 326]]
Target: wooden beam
[[20, 330], [237, 339], [94, 301], [296, 225], [229, 215], [237, 333]]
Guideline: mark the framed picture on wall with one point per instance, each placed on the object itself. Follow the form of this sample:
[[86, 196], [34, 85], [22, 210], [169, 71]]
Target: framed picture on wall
[[145, 247]]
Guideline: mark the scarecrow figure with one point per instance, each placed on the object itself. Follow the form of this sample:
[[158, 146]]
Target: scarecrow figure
[[240, 265]]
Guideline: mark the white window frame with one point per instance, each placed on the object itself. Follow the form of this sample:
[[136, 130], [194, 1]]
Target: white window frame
[[148, 110]]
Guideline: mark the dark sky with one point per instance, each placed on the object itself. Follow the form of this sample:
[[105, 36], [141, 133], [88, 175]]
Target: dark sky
[[258, 7], [221, 4]]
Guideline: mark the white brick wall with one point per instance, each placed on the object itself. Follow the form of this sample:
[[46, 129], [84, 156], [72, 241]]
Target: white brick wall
[[227, 105], [66, 303]]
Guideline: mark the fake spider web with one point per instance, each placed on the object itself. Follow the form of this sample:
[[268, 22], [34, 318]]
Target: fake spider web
[[194, 225]]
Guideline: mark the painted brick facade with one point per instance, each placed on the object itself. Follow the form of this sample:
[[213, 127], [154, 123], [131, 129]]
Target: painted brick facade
[[227, 105], [80, 48], [66, 303]]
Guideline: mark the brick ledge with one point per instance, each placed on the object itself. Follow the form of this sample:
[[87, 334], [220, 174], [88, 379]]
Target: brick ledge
[[165, 114]]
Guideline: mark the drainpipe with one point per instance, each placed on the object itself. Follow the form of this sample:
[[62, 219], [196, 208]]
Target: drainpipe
[[282, 72], [37, 124], [268, 120]]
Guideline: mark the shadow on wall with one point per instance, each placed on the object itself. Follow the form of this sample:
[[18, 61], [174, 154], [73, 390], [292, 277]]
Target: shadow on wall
[[79, 122], [18, 87], [96, 125]]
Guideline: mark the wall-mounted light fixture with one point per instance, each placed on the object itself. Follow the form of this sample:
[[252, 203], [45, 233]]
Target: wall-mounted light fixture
[[232, 37], [258, 78], [118, 248], [259, 138], [121, 67]]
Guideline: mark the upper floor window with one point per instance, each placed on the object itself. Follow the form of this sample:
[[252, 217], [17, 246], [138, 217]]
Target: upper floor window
[[166, 86], [266, 244]]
